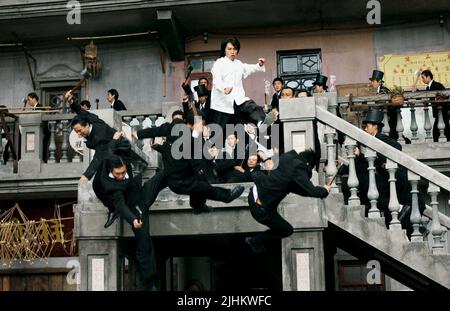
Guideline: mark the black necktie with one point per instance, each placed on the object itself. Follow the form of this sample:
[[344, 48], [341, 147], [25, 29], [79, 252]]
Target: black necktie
[[428, 88]]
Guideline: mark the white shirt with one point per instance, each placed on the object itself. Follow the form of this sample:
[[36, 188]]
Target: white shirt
[[429, 84], [227, 73]]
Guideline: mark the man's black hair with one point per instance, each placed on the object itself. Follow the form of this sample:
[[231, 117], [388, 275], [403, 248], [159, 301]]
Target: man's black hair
[[427, 73], [33, 95], [114, 93], [234, 42], [86, 103], [79, 120], [204, 78], [309, 157], [113, 161], [178, 113], [277, 79]]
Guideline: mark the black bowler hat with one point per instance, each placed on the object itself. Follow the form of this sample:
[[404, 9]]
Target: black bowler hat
[[374, 116], [201, 90], [322, 81], [377, 75]]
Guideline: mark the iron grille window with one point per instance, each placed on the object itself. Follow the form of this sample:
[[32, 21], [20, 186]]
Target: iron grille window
[[299, 69]]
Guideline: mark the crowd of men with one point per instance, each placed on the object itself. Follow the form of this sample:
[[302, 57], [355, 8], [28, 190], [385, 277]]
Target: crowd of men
[[241, 154]]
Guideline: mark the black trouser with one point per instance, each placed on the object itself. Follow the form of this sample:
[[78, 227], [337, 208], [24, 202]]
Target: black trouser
[[145, 253], [199, 191], [279, 227], [153, 187], [247, 112]]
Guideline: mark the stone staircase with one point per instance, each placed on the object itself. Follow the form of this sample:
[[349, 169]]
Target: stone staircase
[[412, 263]]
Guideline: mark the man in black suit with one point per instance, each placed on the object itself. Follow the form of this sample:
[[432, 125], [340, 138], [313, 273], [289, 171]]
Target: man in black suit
[[98, 135], [377, 83], [427, 78], [202, 105], [373, 125], [115, 186], [33, 101], [278, 85], [292, 175], [112, 96], [184, 175]]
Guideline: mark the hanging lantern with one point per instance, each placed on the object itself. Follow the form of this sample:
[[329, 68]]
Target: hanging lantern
[[91, 60]]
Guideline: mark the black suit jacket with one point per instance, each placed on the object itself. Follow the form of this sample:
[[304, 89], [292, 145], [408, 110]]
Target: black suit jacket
[[206, 110], [292, 175], [99, 139], [118, 105], [275, 101], [383, 90], [120, 196], [174, 168], [436, 86]]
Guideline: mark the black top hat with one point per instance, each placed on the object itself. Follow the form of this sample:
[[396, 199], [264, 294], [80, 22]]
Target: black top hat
[[374, 116], [201, 90], [377, 75], [321, 80]]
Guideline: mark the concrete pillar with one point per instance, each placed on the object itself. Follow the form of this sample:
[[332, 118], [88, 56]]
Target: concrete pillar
[[100, 251], [303, 255], [303, 261], [297, 115], [31, 143]]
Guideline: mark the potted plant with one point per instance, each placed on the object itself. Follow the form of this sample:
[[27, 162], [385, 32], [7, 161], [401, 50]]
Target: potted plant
[[397, 95]]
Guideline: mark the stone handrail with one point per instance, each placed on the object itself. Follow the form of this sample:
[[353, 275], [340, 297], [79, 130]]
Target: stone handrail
[[389, 152], [416, 170], [386, 97]]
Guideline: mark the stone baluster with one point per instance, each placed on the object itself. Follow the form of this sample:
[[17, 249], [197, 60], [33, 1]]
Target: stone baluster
[[399, 128], [415, 217], [372, 194], [386, 129], [441, 125], [140, 142], [353, 182], [427, 124], [393, 206], [331, 171], [52, 146], [414, 126], [438, 247], [153, 119], [65, 141]]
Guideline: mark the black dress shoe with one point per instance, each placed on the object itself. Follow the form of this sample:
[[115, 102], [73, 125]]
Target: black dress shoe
[[204, 209], [255, 245], [236, 192], [112, 216]]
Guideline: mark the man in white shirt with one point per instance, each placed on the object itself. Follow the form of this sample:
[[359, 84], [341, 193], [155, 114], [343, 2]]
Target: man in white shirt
[[228, 95]]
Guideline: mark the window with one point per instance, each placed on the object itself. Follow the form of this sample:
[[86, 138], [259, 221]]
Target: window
[[202, 65], [299, 69], [353, 277], [54, 96]]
